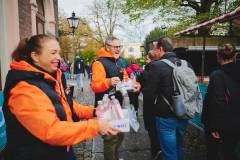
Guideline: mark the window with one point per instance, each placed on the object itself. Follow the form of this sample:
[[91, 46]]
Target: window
[[131, 49], [40, 19]]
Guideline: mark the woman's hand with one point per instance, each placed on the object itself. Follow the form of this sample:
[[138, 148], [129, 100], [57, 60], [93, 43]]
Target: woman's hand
[[106, 129], [216, 135]]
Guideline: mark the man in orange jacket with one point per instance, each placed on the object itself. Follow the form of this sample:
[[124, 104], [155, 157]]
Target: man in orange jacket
[[106, 74]]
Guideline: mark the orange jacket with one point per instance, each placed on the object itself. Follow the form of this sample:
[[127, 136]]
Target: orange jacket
[[99, 81], [35, 111]]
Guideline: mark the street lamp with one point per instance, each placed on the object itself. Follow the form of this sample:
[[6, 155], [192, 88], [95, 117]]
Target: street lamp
[[73, 22]]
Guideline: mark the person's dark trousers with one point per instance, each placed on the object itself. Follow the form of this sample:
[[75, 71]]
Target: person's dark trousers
[[1, 155], [213, 146], [150, 126], [134, 100], [111, 146], [71, 154], [229, 144], [72, 90], [154, 142]]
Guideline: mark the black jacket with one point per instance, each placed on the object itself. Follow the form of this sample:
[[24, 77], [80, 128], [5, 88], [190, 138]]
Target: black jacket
[[160, 83], [79, 66], [221, 107]]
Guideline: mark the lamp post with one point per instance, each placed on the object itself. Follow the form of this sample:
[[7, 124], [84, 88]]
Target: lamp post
[[73, 22]]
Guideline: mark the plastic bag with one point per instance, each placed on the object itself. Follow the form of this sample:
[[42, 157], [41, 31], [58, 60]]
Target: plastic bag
[[133, 118]]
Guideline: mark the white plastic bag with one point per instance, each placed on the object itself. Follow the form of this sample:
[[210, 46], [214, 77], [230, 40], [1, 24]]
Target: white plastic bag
[[133, 118]]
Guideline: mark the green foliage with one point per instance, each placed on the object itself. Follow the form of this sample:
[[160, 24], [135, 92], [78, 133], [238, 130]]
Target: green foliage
[[179, 13], [88, 56], [129, 59]]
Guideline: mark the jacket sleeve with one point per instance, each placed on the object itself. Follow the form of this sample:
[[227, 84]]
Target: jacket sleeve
[[213, 103], [82, 111], [99, 81], [151, 88], [38, 116]]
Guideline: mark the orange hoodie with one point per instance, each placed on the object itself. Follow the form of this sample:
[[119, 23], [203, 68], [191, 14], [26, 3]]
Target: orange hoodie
[[99, 81], [35, 111]]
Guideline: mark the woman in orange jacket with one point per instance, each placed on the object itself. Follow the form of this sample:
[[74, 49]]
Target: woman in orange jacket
[[38, 115]]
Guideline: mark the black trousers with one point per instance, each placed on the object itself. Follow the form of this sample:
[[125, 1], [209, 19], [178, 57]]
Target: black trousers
[[134, 100], [150, 126], [223, 148]]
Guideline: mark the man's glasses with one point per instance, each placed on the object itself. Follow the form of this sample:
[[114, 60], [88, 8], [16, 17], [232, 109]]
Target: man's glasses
[[115, 47]]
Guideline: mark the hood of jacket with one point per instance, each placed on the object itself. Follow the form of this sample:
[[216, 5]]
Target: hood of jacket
[[22, 70], [232, 70], [103, 53]]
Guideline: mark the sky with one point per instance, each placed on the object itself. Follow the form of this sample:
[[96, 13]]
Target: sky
[[81, 8]]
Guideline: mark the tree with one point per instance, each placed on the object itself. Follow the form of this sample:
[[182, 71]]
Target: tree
[[106, 15], [183, 12], [83, 38], [88, 56], [155, 34], [64, 41]]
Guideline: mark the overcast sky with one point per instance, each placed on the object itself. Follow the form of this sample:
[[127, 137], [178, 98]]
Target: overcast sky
[[81, 8]]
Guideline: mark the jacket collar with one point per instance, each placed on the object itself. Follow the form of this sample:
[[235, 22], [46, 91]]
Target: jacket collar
[[168, 55]]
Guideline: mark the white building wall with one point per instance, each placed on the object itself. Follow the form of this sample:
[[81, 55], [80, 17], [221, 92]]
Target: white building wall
[[9, 33], [132, 49]]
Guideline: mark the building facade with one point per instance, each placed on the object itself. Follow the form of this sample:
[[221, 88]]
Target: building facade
[[20, 19], [132, 49]]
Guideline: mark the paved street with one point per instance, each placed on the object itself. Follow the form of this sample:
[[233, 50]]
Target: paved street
[[135, 145]]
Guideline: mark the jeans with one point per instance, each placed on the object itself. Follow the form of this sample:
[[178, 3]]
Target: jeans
[[71, 154], [67, 75], [80, 80], [171, 133]]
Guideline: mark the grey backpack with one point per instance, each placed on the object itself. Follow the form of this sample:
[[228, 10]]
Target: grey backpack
[[187, 98]]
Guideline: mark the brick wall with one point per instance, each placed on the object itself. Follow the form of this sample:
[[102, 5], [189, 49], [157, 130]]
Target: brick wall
[[25, 24]]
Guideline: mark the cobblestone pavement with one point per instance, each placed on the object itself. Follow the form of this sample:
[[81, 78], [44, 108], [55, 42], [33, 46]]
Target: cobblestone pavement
[[135, 145]]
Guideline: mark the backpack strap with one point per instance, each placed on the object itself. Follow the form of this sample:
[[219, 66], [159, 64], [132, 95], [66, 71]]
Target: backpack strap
[[184, 63], [168, 62]]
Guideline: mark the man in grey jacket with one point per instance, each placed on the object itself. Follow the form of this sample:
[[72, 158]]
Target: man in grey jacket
[[170, 129]]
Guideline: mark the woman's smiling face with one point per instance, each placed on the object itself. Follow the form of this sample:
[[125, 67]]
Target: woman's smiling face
[[49, 57]]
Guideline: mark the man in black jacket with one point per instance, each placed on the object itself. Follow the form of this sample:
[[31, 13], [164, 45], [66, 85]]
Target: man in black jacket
[[170, 129]]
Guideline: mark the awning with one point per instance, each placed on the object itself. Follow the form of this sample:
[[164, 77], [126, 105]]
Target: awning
[[223, 18]]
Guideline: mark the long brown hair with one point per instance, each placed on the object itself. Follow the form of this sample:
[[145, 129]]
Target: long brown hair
[[28, 45]]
